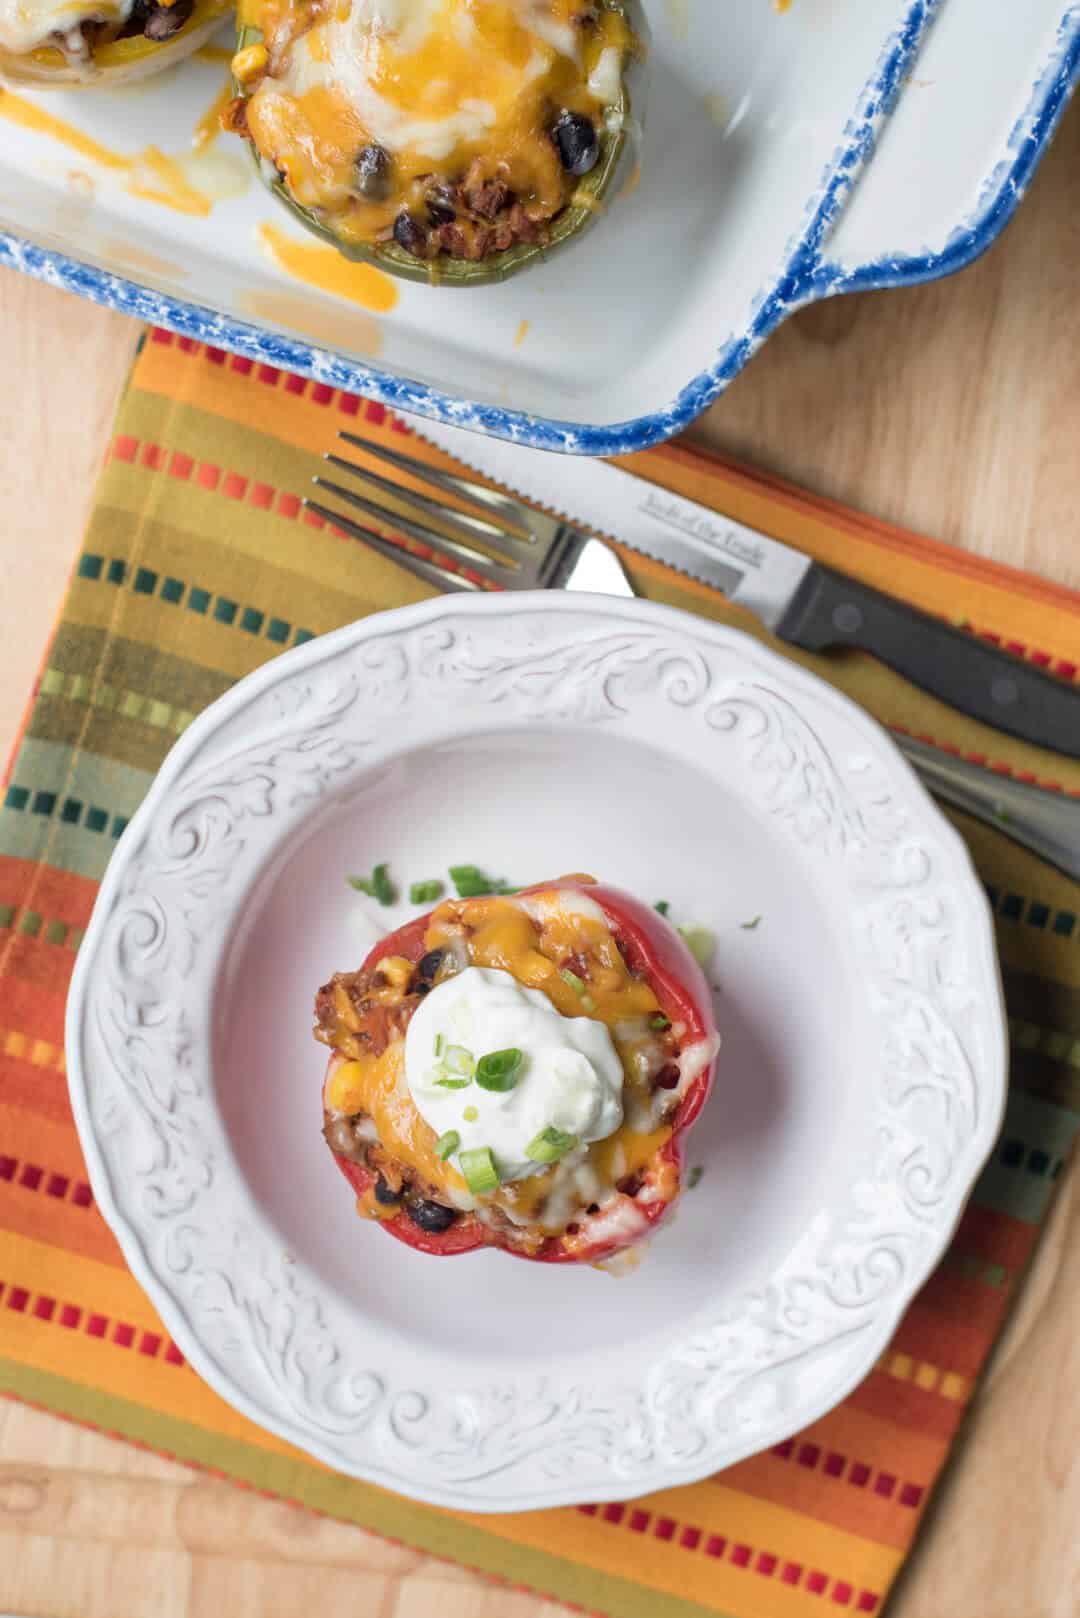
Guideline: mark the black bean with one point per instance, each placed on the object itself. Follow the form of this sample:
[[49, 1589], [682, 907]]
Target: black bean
[[371, 172], [430, 1216], [410, 234], [386, 1194], [442, 205], [577, 141], [668, 1077], [137, 19], [427, 968], [163, 22]]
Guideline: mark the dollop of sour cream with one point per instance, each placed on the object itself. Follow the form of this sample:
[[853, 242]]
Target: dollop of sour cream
[[570, 1078]]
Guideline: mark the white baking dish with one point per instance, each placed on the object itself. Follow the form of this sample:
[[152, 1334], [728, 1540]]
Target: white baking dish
[[774, 174]]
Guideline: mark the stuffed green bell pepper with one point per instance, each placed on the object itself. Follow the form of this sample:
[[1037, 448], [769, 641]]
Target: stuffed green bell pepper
[[446, 140]]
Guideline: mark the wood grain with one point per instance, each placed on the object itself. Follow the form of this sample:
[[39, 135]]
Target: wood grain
[[952, 408]]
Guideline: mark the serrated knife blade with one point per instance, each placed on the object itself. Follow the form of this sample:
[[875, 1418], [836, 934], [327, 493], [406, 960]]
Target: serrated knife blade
[[800, 600], [752, 570]]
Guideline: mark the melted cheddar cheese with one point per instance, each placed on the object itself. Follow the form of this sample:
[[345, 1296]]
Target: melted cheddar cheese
[[443, 89], [532, 938]]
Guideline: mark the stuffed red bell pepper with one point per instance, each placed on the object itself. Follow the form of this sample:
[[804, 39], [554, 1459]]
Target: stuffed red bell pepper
[[519, 1071]]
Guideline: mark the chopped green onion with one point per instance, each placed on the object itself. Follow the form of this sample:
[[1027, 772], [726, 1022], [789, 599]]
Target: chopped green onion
[[576, 983], [662, 906], [424, 893], [660, 1022], [438, 1044], [588, 1003], [694, 1177], [748, 926], [500, 1070], [700, 942], [471, 882], [447, 1143], [550, 1145], [459, 1060], [470, 1115], [478, 1167], [376, 886], [453, 1084]]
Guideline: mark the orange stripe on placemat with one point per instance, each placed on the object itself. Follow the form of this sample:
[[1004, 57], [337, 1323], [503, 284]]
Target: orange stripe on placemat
[[862, 1475], [38, 964], [940, 1345], [284, 401], [61, 894], [54, 1311], [33, 1011], [998, 1238], [903, 1401], [53, 1147], [981, 1308], [45, 1205], [38, 1090], [714, 1544]]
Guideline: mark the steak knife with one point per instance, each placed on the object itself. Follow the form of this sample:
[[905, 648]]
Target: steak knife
[[801, 601]]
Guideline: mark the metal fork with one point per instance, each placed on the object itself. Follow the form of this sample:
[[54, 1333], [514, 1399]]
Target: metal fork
[[507, 545]]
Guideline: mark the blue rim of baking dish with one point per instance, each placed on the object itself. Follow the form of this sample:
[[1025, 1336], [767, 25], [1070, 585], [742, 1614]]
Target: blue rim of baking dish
[[805, 277]]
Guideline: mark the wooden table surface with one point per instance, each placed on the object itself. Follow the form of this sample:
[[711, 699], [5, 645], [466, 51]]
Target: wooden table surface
[[952, 408]]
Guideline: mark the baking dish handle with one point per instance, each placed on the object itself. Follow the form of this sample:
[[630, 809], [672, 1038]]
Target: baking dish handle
[[981, 101]]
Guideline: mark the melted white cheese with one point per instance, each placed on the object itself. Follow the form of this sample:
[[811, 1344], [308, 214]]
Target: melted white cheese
[[349, 50], [26, 24]]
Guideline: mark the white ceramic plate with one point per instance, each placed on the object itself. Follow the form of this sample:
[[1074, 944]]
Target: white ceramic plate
[[860, 1086], [758, 126]]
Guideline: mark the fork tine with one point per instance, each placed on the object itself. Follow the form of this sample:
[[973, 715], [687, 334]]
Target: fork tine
[[449, 482], [430, 572], [463, 521], [489, 566]]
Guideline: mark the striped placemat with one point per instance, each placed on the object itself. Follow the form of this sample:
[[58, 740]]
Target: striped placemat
[[198, 565]]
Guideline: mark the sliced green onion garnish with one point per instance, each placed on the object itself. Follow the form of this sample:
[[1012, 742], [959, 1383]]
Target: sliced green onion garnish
[[471, 882], [376, 886], [457, 1059], [550, 1145], [438, 1044], [588, 1003], [748, 926], [694, 1177], [500, 1070], [662, 906], [447, 1143], [660, 1022], [470, 1115], [424, 893], [478, 1167], [700, 942], [453, 1084], [576, 983]]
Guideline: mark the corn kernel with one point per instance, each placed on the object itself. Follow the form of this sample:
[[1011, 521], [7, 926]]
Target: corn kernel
[[249, 63], [396, 970], [345, 1091]]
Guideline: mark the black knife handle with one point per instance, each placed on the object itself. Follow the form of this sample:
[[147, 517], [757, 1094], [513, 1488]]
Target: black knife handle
[[829, 609]]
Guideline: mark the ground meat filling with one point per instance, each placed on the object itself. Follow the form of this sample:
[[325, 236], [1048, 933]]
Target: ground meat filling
[[359, 1014]]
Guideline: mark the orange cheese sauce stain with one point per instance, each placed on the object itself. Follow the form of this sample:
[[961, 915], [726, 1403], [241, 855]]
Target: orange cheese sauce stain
[[27, 116], [326, 269], [521, 333], [150, 174], [208, 127], [217, 54]]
